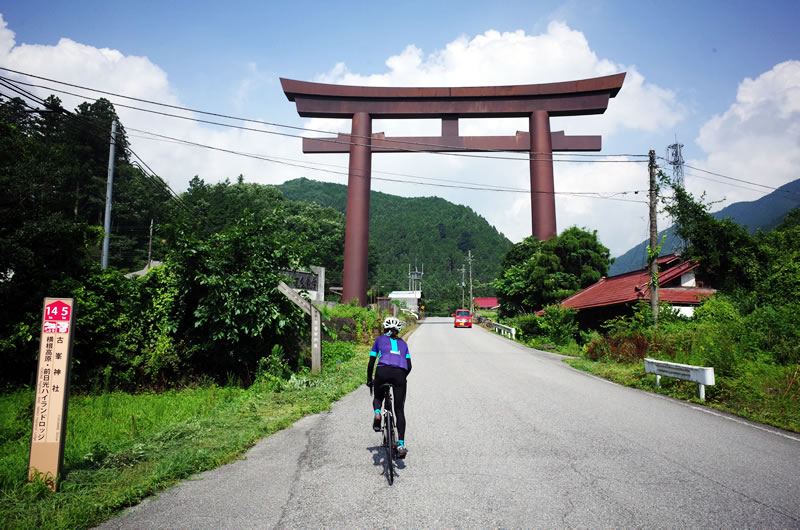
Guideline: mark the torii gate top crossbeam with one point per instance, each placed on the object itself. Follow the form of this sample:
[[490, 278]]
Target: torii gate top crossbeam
[[570, 98]]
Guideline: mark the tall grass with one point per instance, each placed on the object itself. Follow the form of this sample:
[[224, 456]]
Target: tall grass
[[755, 356], [122, 447]]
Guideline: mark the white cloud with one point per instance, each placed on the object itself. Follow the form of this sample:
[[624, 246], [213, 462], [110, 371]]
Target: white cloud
[[757, 139], [509, 58], [494, 58], [6, 38]]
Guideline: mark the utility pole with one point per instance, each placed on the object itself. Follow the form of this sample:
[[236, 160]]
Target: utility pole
[[109, 187], [463, 270], [653, 248], [469, 259], [150, 245]]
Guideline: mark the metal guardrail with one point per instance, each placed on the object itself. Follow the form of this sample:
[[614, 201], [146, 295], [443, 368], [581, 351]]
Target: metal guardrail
[[697, 374], [506, 331], [409, 312]]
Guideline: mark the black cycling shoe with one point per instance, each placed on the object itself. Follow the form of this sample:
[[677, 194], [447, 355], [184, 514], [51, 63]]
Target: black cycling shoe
[[401, 451], [376, 422]]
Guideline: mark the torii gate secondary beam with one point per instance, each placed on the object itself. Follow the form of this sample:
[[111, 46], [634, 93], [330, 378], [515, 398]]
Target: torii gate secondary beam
[[450, 144], [363, 104]]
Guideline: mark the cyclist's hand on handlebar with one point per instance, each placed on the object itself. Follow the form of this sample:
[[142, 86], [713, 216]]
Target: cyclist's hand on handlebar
[[370, 382]]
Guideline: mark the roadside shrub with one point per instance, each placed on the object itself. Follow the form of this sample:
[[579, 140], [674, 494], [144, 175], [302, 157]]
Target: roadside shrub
[[336, 352], [559, 324], [630, 339], [773, 334], [527, 325], [624, 348], [272, 371], [102, 314], [556, 326], [366, 323]]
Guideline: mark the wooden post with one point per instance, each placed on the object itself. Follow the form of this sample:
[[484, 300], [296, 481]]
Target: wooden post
[[49, 430], [316, 324]]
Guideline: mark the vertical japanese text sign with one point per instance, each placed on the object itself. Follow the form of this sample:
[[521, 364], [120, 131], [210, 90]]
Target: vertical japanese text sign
[[52, 390]]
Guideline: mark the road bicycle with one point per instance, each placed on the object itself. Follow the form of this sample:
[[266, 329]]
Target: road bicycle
[[388, 430]]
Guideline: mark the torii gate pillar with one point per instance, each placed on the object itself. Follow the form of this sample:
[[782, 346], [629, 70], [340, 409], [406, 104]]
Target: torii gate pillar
[[363, 104], [543, 200], [356, 230]]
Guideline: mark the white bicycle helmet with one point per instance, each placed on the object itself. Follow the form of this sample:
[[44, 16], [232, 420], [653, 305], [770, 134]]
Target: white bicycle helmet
[[392, 322]]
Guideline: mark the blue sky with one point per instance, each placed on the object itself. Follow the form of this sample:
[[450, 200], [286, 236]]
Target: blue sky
[[722, 77]]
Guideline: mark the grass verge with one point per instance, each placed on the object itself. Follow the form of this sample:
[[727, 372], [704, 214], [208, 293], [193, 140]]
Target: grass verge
[[121, 448], [758, 392]]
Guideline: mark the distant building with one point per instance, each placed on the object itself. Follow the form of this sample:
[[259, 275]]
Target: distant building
[[409, 298], [486, 303]]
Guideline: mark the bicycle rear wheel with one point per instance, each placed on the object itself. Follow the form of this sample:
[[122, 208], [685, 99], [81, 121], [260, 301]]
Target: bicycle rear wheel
[[388, 436]]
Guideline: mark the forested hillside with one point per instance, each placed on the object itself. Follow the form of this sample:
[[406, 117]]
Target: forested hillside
[[762, 214], [428, 231]]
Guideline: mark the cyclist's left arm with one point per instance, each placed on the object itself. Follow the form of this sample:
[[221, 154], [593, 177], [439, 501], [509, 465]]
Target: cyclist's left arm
[[373, 354]]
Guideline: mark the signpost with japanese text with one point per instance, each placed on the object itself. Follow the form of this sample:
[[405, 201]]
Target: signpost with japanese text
[[52, 390], [316, 324]]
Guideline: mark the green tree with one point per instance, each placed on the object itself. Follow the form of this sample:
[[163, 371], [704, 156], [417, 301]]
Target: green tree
[[536, 274], [232, 312], [320, 229], [728, 253]]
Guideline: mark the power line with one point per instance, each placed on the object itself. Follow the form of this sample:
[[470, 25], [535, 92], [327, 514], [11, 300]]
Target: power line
[[328, 140], [283, 161], [457, 184], [736, 179], [301, 163], [92, 128], [273, 124]]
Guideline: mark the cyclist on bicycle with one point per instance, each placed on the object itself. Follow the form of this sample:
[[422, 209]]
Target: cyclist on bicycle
[[394, 365]]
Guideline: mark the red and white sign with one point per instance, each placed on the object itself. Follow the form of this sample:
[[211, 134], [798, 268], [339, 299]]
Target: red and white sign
[[56, 317]]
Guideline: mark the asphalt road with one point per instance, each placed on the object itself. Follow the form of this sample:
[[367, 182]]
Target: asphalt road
[[500, 435]]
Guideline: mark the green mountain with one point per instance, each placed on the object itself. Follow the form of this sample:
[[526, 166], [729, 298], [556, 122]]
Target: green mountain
[[428, 232], [764, 214]]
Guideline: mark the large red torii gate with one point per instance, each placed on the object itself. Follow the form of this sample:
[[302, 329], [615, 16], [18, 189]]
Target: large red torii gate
[[362, 104]]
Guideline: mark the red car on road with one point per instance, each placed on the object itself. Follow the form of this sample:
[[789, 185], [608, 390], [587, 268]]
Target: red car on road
[[463, 318]]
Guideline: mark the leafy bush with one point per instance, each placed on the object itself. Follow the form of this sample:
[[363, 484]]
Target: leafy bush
[[366, 323], [632, 338], [557, 326], [337, 352], [773, 334]]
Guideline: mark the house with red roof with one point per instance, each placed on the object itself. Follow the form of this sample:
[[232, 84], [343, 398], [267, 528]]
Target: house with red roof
[[489, 302], [616, 295]]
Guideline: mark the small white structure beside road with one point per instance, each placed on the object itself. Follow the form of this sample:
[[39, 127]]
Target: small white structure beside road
[[409, 298], [697, 374]]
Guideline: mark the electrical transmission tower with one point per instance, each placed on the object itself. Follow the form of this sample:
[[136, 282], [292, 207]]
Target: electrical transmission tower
[[675, 159], [415, 277]]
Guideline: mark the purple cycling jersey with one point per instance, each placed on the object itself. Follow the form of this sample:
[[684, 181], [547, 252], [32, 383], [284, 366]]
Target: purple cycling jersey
[[391, 352]]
